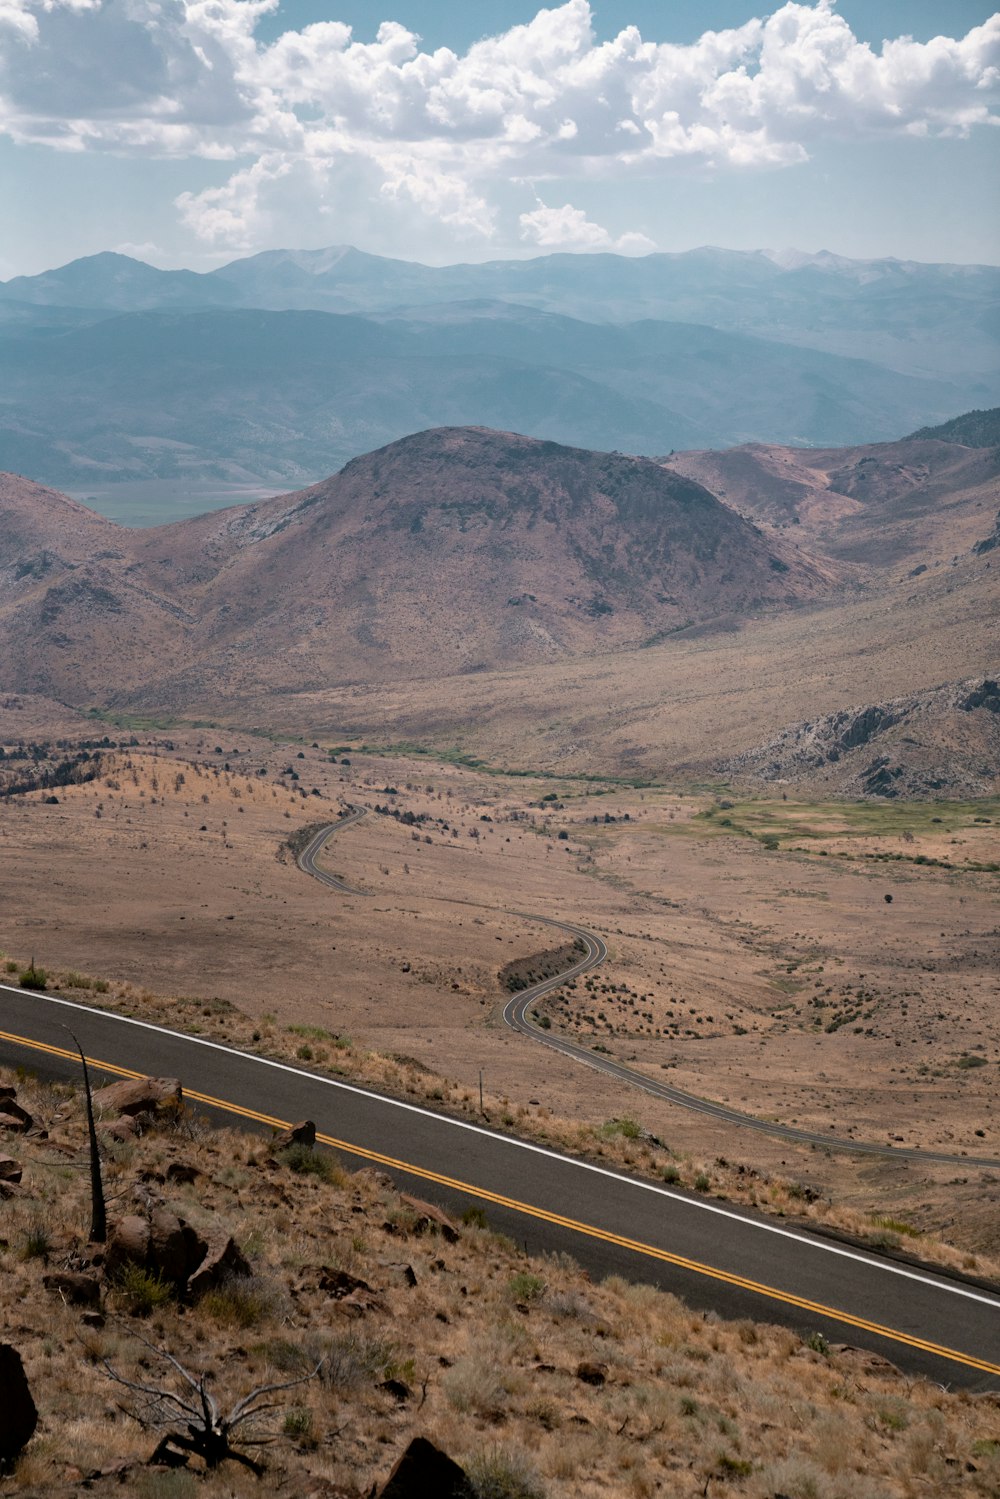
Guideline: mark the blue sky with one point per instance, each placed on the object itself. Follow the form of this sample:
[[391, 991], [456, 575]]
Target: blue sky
[[189, 134]]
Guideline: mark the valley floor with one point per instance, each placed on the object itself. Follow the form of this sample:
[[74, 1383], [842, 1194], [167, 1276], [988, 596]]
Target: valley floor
[[823, 964]]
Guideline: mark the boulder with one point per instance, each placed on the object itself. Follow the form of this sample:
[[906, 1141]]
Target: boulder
[[360, 1302], [175, 1249], [430, 1216], [140, 1095], [18, 1415], [425, 1470], [128, 1244], [338, 1284], [124, 1129], [222, 1260], [592, 1373], [181, 1173], [75, 1287], [303, 1133], [10, 1170], [7, 1091], [14, 1118]]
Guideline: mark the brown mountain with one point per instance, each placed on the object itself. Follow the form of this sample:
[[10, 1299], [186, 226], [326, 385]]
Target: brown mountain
[[918, 502], [451, 551]]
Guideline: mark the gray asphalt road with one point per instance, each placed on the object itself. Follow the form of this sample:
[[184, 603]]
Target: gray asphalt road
[[713, 1255]]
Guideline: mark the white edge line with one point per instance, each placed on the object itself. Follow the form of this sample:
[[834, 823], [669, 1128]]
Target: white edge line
[[554, 1155]]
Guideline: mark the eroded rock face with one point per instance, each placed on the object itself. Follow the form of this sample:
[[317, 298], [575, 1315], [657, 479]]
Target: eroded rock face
[[12, 1117], [424, 1470], [139, 1095], [169, 1247], [222, 1261], [18, 1413], [428, 1215], [303, 1133]]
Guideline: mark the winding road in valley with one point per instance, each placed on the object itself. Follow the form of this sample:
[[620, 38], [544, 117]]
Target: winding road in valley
[[517, 1014], [717, 1257]]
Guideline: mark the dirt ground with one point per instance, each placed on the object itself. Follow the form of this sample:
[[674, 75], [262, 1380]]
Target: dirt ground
[[760, 963]]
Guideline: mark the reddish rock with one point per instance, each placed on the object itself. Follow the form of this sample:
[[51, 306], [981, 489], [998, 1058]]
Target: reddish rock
[[375, 1177], [14, 1118], [128, 1244], [74, 1287], [428, 1215], [182, 1173], [222, 1260], [124, 1129], [10, 1170], [424, 1470], [303, 1133], [338, 1284], [175, 1250], [359, 1303], [18, 1415], [140, 1095]]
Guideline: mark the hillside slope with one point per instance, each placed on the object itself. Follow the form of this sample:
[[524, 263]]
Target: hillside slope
[[920, 501], [451, 551]]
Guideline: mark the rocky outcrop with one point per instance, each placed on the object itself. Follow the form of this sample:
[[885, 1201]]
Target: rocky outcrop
[[303, 1133], [170, 1248], [988, 543], [18, 1414], [937, 744], [428, 1216], [13, 1117], [425, 1470], [140, 1095]]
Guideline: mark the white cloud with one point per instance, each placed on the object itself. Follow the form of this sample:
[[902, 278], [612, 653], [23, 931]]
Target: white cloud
[[441, 135], [568, 228]]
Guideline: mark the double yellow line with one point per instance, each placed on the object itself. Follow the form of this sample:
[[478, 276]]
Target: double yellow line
[[483, 1194]]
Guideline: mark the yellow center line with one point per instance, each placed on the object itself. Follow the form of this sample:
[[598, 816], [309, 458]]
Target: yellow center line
[[635, 1246]]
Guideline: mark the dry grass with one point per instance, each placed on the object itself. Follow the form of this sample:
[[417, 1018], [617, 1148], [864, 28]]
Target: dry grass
[[690, 1405], [780, 983]]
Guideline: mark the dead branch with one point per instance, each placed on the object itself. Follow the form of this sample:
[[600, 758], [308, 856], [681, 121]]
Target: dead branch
[[208, 1433]]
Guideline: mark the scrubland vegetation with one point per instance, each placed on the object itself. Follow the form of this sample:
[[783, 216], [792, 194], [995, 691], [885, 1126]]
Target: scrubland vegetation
[[538, 1381]]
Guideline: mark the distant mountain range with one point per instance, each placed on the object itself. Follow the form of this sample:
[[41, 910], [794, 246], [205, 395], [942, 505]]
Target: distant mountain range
[[277, 369]]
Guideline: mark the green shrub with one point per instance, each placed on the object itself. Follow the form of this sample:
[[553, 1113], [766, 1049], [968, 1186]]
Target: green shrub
[[37, 1243], [33, 978], [503, 1473], [818, 1344], [671, 1174], [525, 1287], [702, 1182], [474, 1218], [244, 1301], [10, 966], [297, 1422], [140, 1291], [305, 1161]]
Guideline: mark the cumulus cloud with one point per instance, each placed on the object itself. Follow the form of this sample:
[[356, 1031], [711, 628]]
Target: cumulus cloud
[[441, 135], [568, 228]]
